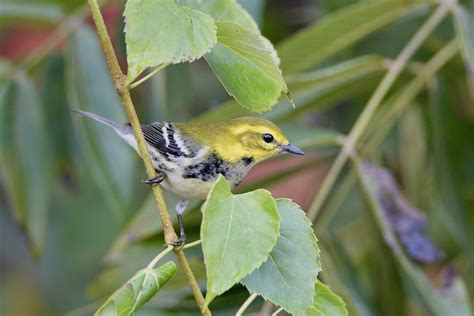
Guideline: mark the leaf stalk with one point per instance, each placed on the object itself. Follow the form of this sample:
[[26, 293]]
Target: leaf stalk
[[246, 304]]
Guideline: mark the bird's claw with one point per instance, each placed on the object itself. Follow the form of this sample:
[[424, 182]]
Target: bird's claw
[[179, 243], [155, 180]]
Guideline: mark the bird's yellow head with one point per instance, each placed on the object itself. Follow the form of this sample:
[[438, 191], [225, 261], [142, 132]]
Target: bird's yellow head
[[249, 137]]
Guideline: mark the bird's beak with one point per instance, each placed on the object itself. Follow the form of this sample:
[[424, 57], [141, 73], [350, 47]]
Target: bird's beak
[[291, 149]]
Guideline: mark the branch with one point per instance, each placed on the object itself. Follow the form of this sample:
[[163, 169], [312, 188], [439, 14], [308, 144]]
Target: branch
[[118, 78], [363, 120]]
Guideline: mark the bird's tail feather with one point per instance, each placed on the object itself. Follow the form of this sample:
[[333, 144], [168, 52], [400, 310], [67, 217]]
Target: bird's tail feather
[[123, 130], [116, 126]]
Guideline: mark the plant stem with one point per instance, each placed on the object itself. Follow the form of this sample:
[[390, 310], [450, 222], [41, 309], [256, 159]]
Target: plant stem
[[119, 81], [408, 93], [246, 304], [192, 244], [277, 311], [201, 303], [151, 74], [155, 260], [363, 120]]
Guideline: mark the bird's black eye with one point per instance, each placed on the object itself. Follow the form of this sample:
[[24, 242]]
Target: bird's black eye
[[267, 138]]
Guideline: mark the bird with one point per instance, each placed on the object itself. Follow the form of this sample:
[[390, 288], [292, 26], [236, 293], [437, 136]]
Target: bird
[[189, 157]]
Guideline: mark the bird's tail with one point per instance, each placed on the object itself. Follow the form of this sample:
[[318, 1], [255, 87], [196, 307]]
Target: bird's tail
[[123, 130], [116, 126]]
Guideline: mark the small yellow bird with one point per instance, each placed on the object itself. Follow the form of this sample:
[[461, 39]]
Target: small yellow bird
[[188, 157]]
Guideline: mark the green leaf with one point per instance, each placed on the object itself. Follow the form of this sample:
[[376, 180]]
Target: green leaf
[[326, 303], [38, 12], [311, 137], [137, 291], [163, 31], [465, 35], [347, 70], [89, 87], [224, 10], [57, 114], [338, 31], [244, 63], [25, 156], [238, 232], [287, 277]]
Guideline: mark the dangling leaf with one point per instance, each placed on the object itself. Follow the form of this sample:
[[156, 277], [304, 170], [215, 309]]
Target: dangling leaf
[[163, 31], [244, 61], [287, 277], [137, 291], [238, 232]]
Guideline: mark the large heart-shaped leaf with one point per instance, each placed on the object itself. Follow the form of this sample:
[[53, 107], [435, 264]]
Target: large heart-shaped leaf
[[287, 277], [244, 61], [137, 291], [163, 31], [238, 232]]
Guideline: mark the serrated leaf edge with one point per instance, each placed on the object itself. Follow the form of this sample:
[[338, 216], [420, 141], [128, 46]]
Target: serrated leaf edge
[[210, 295]]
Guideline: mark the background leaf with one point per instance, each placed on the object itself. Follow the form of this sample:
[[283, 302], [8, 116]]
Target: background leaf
[[465, 34], [25, 157], [230, 226], [46, 12], [288, 275], [90, 88], [181, 34], [338, 31]]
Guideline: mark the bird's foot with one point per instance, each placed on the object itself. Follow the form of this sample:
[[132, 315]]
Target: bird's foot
[[155, 180], [179, 243]]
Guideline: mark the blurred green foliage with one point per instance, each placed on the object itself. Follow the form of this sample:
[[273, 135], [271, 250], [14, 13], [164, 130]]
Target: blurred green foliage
[[76, 224]]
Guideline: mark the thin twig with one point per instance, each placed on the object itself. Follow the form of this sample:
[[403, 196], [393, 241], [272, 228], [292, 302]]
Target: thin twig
[[409, 92], [395, 69], [192, 244], [155, 260], [151, 74], [119, 81], [246, 304]]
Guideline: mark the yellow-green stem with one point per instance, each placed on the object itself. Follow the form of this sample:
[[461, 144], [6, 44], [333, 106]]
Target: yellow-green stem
[[192, 281], [148, 76], [119, 81], [246, 304]]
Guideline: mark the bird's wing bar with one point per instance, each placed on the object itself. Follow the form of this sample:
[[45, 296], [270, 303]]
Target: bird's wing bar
[[161, 136]]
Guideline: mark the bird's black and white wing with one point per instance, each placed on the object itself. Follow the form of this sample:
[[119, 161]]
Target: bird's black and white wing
[[167, 140]]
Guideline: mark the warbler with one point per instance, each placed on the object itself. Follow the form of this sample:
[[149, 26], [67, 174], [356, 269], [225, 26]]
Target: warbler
[[188, 157]]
